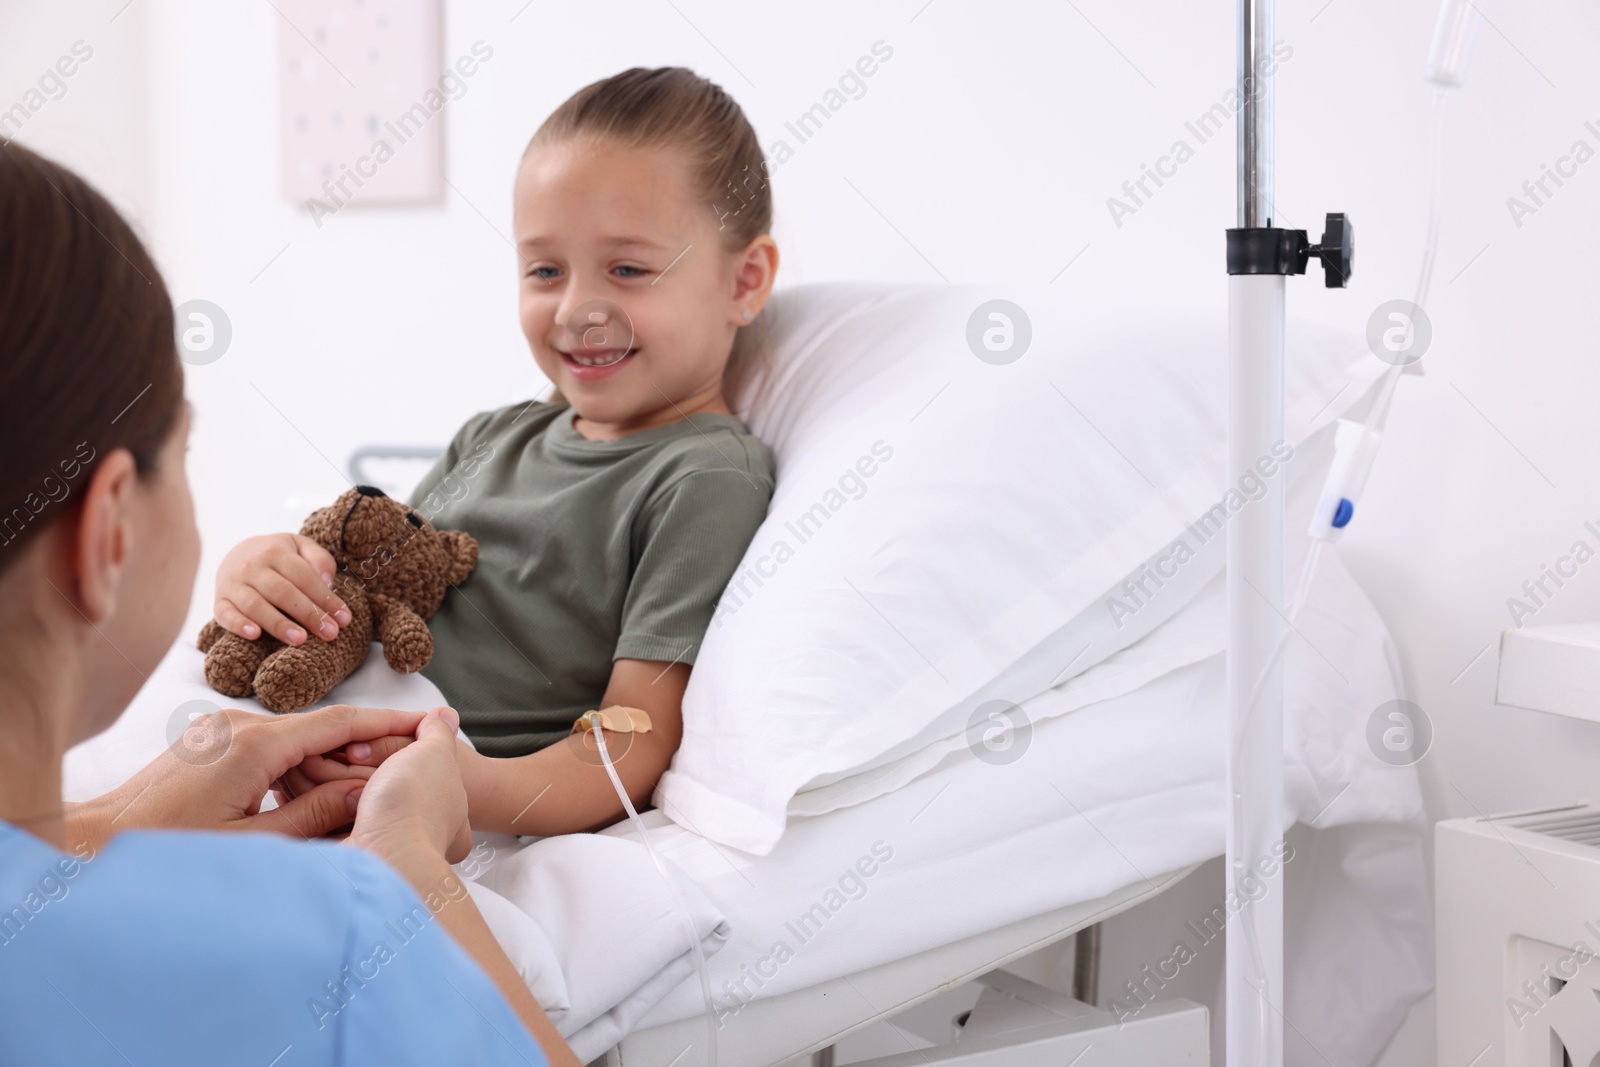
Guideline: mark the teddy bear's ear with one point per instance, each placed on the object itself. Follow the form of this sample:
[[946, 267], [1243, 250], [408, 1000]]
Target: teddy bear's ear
[[463, 550], [324, 525]]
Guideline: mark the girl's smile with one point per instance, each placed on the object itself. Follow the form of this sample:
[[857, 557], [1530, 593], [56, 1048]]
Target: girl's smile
[[593, 364]]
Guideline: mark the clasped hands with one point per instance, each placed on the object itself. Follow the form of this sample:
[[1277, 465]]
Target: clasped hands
[[390, 776]]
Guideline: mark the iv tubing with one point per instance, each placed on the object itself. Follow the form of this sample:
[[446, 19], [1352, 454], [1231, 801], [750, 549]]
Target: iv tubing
[[666, 876]]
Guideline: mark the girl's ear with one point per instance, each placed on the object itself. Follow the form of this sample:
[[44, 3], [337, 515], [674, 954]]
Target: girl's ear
[[98, 535], [753, 278]]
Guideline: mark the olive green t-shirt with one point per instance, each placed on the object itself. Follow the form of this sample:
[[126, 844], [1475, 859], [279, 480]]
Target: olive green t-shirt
[[588, 552]]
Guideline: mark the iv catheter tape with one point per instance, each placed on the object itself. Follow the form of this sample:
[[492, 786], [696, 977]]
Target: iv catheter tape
[[616, 718]]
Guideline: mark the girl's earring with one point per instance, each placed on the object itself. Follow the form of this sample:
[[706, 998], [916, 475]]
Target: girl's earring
[[747, 315]]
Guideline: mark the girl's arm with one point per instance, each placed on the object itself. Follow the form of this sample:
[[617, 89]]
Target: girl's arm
[[564, 788]]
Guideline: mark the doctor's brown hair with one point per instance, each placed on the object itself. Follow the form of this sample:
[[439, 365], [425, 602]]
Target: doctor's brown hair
[[675, 107], [88, 358]]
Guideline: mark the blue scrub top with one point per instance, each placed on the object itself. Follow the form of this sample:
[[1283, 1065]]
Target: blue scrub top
[[234, 948]]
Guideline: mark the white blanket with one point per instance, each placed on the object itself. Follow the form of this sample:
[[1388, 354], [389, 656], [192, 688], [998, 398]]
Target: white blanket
[[591, 927]]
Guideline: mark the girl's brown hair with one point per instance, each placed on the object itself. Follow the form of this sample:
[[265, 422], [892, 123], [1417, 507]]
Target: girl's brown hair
[[88, 358], [673, 106]]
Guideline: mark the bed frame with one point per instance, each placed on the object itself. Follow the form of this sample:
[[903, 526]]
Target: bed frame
[[772, 1031], [1017, 1023]]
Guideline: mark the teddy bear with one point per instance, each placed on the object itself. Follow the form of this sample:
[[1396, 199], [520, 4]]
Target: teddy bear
[[393, 570]]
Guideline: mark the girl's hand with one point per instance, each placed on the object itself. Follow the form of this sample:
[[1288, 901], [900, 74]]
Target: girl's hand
[[216, 777], [414, 807], [355, 760], [280, 584]]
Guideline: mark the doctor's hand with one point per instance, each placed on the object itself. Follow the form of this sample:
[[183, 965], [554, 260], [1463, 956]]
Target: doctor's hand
[[412, 814], [216, 775], [413, 809], [279, 584]]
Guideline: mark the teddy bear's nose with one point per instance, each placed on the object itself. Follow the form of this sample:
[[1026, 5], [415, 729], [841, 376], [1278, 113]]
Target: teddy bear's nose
[[370, 490]]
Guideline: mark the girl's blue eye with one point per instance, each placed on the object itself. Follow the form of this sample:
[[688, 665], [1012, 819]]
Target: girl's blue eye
[[637, 272], [544, 273]]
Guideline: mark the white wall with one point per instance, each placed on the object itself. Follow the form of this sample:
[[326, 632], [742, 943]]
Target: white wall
[[96, 117], [990, 142]]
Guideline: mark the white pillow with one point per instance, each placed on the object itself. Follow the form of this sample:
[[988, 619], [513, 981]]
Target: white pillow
[[946, 526]]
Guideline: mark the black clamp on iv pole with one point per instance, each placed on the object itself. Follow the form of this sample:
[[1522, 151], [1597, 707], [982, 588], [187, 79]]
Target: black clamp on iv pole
[[1267, 250]]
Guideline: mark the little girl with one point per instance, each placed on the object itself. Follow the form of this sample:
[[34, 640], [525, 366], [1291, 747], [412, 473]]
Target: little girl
[[610, 518]]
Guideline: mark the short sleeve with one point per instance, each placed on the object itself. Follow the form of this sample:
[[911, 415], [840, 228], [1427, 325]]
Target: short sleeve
[[188, 947], [461, 452], [691, 539]]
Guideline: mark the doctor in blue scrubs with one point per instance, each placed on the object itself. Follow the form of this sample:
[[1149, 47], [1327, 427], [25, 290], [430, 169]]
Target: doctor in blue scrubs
[[172, 921]]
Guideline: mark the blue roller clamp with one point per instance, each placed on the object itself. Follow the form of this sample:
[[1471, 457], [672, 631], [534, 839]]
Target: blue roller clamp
[[1341, 514]]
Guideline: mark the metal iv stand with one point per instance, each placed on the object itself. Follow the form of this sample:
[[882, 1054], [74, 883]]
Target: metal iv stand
[[1260, 257]]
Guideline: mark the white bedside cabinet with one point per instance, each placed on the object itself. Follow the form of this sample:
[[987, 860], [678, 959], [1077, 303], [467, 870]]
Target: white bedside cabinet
[[1518, 925]]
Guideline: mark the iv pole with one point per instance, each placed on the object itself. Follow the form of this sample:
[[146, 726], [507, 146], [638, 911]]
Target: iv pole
[[1260, 258]]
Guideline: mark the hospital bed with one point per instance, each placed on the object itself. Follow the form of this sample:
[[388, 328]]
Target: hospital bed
[[1111, 806], [962, 866], [814, 1018]]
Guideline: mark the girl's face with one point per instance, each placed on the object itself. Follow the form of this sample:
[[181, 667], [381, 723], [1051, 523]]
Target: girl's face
[[629, 299]]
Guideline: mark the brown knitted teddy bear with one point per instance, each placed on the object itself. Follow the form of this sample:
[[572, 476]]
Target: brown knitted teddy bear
[[393, 570]]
